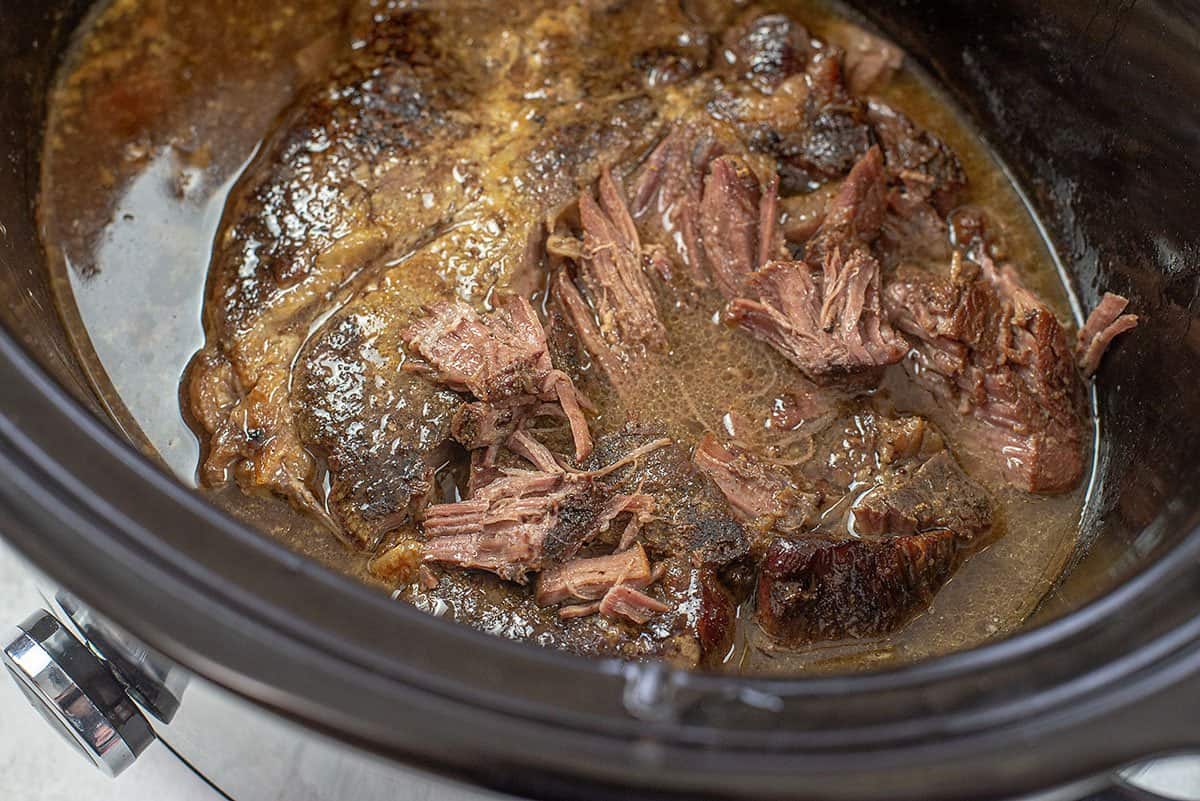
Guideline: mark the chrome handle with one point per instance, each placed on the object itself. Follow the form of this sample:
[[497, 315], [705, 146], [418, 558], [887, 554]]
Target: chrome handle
[[76, 693]]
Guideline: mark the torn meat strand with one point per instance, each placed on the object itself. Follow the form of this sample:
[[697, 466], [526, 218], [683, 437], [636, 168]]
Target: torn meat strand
[[1103, 325], [624, 602], [589, 579], [503, 359], [828, 324]]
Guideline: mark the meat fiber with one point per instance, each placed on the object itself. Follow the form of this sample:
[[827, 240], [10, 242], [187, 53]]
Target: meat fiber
[[1106, 322], [501, 358], [758, 492], [514, 526], [988, 348], [829, 323], [617, 321]]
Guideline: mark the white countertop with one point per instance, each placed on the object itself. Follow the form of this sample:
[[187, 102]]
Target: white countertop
[[36, 765]]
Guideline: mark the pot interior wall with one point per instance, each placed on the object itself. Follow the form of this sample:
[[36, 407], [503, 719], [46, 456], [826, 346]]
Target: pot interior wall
[[1094, 106]]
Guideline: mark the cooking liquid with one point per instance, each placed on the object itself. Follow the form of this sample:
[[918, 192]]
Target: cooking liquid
[[160, 105]]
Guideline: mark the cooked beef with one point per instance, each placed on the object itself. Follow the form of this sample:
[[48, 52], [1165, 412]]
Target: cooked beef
[[936, 495], [767, 49], [829, 324], [912, 232], [988, 348], [315, 228], [870, 62], [758, 491], [374, 352], [588, 579], [798, 110], [501, 358], [618, 321], [922, 163], [738, 223], [381, 432], [667, 191], [622, 601], [515, 525], [1106, 322], [835, 133], [495, 356], [856, 213], [817, 589]]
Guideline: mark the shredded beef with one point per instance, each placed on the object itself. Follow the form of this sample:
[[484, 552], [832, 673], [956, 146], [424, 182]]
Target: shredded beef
[[622, 601], [829, 324], [501, 358], [667, 192], [738, 223], [589, 579], [757, 490], [1106, 322], [513, 526], [988, 348]]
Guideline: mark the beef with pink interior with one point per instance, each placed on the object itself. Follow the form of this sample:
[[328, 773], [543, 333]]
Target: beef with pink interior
[[500, 357], [989, 349]]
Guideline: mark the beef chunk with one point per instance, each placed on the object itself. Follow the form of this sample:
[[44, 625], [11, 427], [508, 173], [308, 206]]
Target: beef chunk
[[988, 348], [767, 49], [1104, 324], [936, 495], [515, 525], [501, 358], [757, 491], [667, 191], [820, 589], [922, 163], [855, 214], [835, 133], [589, 579], [828, 324], [910, 534], [738, 223], [808, 121], [870, 62]]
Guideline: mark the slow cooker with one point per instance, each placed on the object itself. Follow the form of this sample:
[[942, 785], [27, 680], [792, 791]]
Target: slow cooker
[[166, 618]]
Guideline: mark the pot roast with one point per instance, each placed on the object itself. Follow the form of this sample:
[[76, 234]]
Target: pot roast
[[496, 302]]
